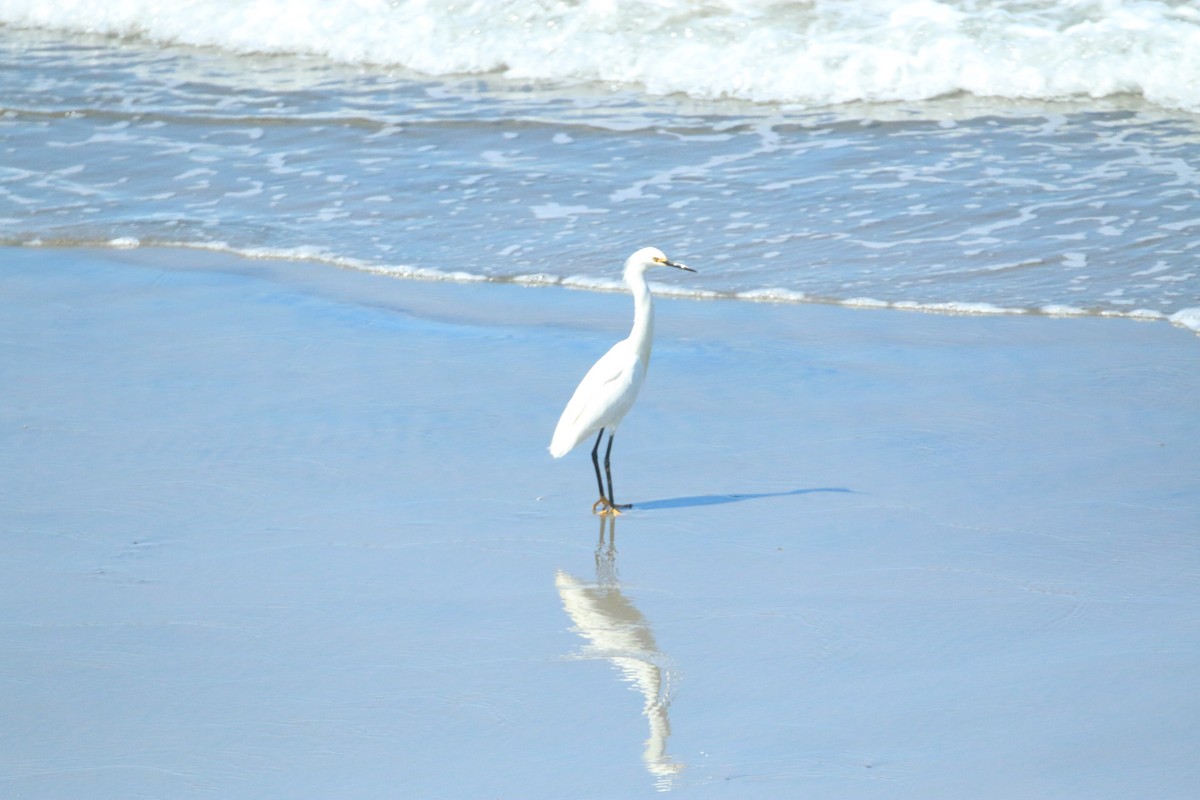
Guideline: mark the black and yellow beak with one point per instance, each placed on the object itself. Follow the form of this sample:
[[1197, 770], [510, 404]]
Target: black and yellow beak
[[666, 262]]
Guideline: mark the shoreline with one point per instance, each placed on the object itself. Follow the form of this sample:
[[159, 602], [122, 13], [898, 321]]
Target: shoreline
[[1186, 318]]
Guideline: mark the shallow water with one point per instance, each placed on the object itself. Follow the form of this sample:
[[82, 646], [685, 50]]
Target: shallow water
[[957, 204]]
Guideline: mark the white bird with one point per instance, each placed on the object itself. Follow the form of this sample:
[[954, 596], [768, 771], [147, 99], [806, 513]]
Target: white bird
[[607, 392]]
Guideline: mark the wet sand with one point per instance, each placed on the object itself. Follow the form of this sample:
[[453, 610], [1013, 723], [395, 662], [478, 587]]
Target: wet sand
[[274, 529]]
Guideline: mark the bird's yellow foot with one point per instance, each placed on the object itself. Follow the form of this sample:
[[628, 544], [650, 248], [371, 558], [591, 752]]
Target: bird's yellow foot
[[604, 508], [607, 509]]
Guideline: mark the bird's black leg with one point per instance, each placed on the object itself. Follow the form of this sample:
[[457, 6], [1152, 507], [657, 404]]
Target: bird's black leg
[[608, 474], [596, 464]]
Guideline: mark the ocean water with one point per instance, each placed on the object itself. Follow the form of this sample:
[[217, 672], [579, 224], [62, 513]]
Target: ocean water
[[983, 157]]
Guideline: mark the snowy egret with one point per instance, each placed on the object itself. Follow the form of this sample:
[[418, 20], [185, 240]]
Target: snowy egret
[[608, 390]]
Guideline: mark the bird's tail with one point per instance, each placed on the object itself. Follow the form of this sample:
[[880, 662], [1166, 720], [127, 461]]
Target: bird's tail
[[564, 439], [560, 445]]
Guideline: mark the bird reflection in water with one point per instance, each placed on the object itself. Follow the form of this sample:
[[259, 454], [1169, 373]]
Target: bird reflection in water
[[617, 631]]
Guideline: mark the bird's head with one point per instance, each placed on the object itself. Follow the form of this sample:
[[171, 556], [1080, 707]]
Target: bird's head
[[649, 257]]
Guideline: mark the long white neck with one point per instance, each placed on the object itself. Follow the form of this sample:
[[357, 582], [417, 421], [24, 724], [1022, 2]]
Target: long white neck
[[642, 334]]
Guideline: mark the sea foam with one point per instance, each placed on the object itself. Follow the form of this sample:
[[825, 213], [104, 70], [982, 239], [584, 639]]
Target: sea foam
[[1187, 318], [810, 54]]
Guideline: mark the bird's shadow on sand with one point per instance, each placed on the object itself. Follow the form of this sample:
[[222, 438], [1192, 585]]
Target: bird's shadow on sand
[[720, 499]]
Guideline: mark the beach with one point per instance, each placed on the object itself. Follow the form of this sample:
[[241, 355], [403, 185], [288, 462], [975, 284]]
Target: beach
[[292, 296], [276, 529]]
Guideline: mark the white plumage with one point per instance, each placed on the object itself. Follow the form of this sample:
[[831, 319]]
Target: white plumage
[[609, 388]]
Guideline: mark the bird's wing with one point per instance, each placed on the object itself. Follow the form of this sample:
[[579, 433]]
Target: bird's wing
[[602, 397]]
